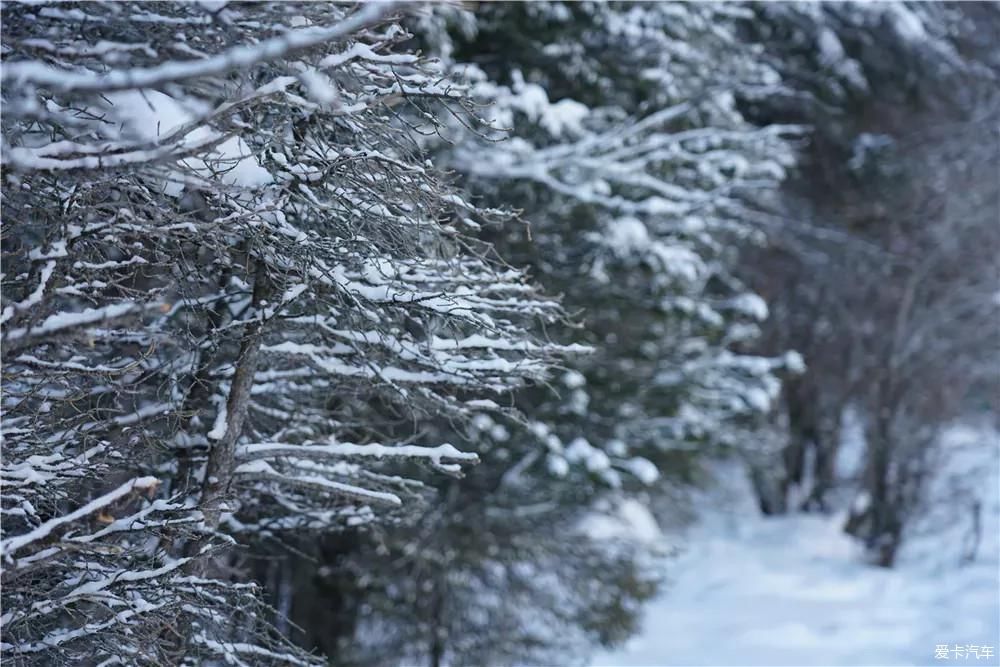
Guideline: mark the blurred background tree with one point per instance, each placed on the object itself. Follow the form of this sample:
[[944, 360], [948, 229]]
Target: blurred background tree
[[884, 271]]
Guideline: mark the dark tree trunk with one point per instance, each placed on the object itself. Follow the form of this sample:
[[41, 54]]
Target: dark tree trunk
[[880, 524], [222, 457], [437, 628]]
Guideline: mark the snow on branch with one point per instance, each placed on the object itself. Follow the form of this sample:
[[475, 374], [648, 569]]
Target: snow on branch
[[13, 544], [240, 57], [445, 452]]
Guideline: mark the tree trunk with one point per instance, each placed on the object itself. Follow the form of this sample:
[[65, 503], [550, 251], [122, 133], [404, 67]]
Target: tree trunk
[[221, 459], [824, 471], [880, 523], [437, 628]]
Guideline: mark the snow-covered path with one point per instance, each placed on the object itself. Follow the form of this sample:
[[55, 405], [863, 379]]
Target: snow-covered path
[[794, 590]]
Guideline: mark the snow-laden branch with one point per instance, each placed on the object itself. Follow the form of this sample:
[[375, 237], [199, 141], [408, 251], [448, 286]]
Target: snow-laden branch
[[13, 544], [445, 452], [240, 57], [71, 320], [262, 471]]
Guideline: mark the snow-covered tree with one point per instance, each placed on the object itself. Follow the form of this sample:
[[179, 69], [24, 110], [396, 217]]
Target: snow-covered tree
[[637, 188], [615, 130], [233, 285]]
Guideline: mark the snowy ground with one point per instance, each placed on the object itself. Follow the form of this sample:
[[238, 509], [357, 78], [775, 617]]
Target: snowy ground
[[794, 591]]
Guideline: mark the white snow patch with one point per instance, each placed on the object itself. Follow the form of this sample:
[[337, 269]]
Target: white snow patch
[[795, 590], [574, 379], [152, 115], [628, 519]]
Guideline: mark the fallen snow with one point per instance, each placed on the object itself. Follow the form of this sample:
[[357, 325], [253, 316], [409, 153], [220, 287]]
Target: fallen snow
[[624, 520], [749, 590], [152, 115]]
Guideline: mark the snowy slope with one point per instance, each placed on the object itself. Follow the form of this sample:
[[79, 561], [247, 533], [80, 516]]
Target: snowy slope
[[750, 590]]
